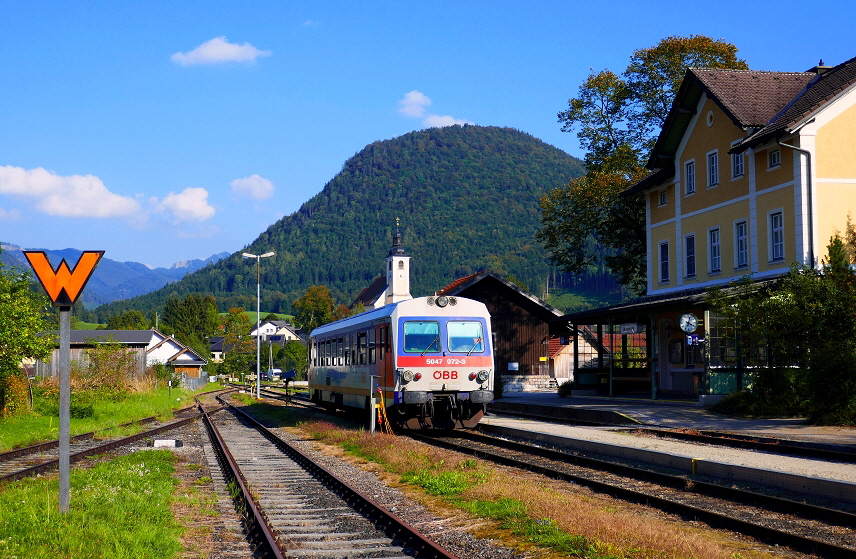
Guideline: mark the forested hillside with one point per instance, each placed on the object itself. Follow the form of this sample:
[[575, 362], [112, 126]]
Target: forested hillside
[[467, 198]]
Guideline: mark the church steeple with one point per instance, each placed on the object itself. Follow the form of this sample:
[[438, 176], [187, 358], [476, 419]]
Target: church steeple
[[397, 270]]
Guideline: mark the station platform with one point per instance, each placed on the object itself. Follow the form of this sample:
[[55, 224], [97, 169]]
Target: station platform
[[625, 439], [669, 414]]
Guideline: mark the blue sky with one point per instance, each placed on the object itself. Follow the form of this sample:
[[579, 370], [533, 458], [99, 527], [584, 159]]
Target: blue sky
[[162, 131]]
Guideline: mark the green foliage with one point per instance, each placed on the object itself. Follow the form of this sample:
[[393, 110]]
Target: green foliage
[[566, 389], [617, 118], [293, 355], [542, 531], [192, 320], [119, 508], [467, 197], [128, 320], [806, 325], [314, 308], [239, 345], [22, 326]]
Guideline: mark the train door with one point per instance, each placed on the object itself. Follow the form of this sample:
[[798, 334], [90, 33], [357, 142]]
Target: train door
[[384, 356]]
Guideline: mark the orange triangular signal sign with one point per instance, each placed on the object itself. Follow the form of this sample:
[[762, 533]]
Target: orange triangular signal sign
[[63, 285]]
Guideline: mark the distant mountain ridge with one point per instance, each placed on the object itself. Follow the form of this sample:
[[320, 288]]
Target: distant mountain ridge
[[113, 280], [468, 199]]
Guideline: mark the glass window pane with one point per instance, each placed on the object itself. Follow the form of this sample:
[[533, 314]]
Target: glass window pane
[[421, 337], [465, 336]]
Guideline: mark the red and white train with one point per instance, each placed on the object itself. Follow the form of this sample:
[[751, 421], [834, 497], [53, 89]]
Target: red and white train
[[433, 357]]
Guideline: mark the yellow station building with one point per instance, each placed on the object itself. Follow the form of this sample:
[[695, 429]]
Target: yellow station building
[[753, 171]]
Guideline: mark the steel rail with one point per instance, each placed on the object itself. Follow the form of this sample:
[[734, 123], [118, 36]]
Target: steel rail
[[393, 526], [766, 444], [254, 517], [106, 447], [763, 533]]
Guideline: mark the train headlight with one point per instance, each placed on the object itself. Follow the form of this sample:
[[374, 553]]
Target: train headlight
[[442, 301], [407, 376], [482, 376]]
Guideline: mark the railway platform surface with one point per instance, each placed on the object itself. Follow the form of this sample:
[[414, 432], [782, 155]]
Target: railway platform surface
[[687, 414], [838, 480]]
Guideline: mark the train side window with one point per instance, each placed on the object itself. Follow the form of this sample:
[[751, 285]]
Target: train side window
[[339, 355], [465, 336], [361, 347], [421, 337], [372, 348], [347, 349], [315, 354]]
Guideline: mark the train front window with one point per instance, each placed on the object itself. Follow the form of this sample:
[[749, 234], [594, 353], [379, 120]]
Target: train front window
[[421, 337], [465, 336]]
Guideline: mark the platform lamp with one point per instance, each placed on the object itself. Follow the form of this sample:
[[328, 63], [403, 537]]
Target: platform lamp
[[258, 258]]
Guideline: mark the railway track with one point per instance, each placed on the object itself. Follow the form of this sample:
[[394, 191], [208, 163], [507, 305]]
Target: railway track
[[44, 457], [825, 532], [772, 445], [297, 508]]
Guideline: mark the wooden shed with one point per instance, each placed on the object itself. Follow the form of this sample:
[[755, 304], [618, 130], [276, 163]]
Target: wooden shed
[[521, 325]]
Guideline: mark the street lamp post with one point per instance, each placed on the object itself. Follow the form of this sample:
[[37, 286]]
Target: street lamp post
[[258, 258]]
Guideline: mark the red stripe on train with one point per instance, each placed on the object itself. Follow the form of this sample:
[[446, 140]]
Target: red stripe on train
[[445, 361]]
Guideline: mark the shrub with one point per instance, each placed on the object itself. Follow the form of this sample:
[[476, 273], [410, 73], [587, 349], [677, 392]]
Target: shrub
[[566, 388]]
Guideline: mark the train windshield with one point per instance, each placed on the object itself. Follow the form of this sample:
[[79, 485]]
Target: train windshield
[[465, 336], [421, 337]]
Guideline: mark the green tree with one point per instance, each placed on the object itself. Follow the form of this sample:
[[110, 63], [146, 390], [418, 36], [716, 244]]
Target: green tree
[[239, 347], [805, 326], [192, 320], [22, 334], [128, 320], [313, 308], [618, 118], [293, 355]]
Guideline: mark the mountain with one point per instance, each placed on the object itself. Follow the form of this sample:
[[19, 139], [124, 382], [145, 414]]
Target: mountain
[[467, 198], [112, 280]]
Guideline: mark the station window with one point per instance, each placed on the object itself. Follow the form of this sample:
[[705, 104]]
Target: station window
[[689, 178], [689, 255]]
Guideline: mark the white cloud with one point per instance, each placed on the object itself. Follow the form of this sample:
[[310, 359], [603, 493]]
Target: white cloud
[[71, 196], [191, 204], [437, 121], [9, 214], [413, 104], [219, 50], [254, 187]]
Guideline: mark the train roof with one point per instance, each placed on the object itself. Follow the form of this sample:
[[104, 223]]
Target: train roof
[[368, 316], [385, 311]]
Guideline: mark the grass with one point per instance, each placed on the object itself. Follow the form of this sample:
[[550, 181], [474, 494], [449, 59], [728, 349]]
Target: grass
[[26, 429], [118, 509], [534, 516]]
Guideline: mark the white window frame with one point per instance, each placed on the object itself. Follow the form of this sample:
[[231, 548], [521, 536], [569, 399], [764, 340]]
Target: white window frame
[[738, 163], [774, 158], [741, 244], [776, 221], [713, 168], [689, 178], [663, 257], [664, 198], [714, 250], [689, 255]]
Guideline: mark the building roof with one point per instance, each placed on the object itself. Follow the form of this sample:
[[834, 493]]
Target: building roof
[[765, 104], [823, 89], [750, 97], [127, 337], [461, 284], [370, 294]]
